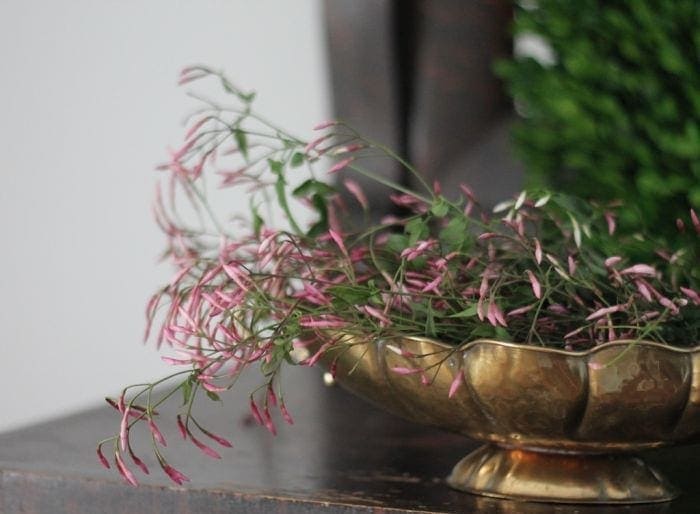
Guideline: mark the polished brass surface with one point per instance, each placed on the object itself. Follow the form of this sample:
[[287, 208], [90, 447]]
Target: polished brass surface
[[553, 477], [617, 397]]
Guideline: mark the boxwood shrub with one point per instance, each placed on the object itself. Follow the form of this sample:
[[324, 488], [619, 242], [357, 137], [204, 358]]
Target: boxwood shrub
[[616, 113]]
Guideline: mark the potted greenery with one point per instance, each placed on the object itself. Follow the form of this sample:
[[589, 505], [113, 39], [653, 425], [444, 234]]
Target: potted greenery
[[446, 297], [612, 111]]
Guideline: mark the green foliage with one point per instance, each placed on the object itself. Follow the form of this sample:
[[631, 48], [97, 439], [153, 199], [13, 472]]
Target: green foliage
[[617, 115]]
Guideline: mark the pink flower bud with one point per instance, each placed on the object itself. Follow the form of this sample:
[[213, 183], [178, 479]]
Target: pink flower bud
[[138, 462], [157, 434], [102, 458], [255, 412], [693, 295], [181, 427], [612, 261], [610, 219], [604, 312], [340, 165], [124, 471], [639, 269], [206, 450], [695, 220], [400, 370], [535, 284], [174, 474], [285, 414], [268, 422], [325, 124], [456, 383], [538, 251]]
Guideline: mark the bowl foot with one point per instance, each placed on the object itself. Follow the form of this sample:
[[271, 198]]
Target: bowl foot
[[559, 477]]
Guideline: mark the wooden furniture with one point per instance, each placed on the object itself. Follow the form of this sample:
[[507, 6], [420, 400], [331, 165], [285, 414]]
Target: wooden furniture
[[341, 456]]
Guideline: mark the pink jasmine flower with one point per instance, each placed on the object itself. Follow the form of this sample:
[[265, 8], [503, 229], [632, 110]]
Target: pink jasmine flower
[[138, 462], [400, 370], [325, 124], [643, 289], [355, 189], [639, 269], [693, 295], [124, 471], [181, 427], [695, 220], [456, 383], [268, 422], [604, 312], [376, 313], [174, 474], [538, 251], [338, 240], [612, 261], [521, 310], [285, 414], [102, 458], [255, 412], [340, 165], [610, 219], [313, 144], [669, 305], [206, 450], [535, 284]]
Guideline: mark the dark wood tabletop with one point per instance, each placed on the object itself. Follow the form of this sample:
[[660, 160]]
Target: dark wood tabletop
[[341, 456]]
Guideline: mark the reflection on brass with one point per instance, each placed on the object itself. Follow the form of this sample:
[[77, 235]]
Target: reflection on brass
[[558, 421], [557, 477]]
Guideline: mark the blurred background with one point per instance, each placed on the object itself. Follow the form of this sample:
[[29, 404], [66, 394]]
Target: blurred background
[[88, 105]]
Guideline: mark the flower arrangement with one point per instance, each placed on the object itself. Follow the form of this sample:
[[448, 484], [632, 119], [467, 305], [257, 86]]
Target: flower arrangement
[[539, 269]]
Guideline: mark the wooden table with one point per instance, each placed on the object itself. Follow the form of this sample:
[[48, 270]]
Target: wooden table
[[341, 456]]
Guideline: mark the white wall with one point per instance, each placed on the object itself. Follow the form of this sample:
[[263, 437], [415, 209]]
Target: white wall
[[88, 103]]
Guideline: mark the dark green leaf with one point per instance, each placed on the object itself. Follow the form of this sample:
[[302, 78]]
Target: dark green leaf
[[297, 159], [311, 186]]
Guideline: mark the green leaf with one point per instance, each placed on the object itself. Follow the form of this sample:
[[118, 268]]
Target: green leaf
[[502, 334], [416, 229], [469, 312], [397, 243], [241, 141], [350, 295], [277, 168], [213, 396], [311, 186], [321, 226], [186, 390], [454, 233], [258, 221], [440, 208], [297, 159]]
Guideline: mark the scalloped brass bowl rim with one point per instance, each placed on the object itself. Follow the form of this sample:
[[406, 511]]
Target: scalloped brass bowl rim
[[600, 406], [546, 349]]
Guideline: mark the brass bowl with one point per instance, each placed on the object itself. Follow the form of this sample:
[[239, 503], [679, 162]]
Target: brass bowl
[[560, 426]]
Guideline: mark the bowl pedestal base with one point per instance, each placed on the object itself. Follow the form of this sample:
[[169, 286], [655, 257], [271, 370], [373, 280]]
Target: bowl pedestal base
[[531, 475]]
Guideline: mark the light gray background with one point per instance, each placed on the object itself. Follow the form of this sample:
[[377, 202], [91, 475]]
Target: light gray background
[[88, 104]]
